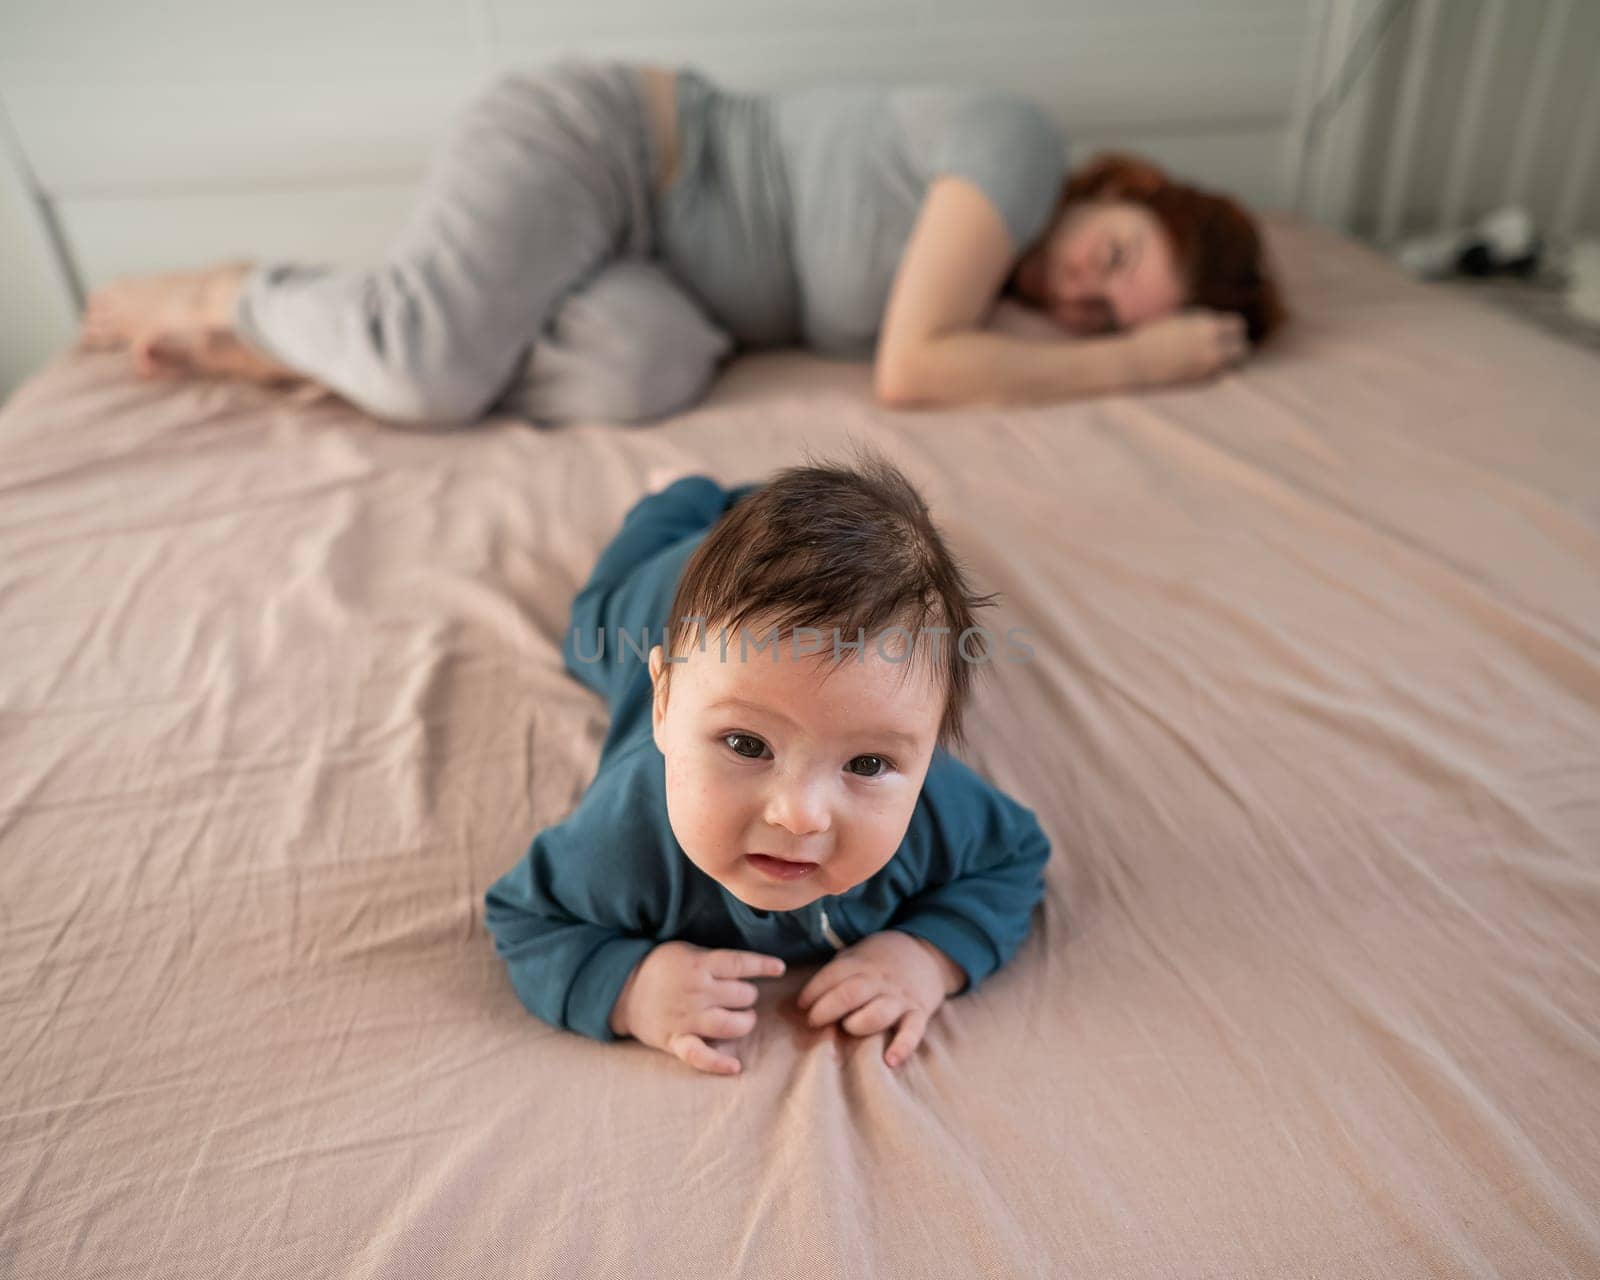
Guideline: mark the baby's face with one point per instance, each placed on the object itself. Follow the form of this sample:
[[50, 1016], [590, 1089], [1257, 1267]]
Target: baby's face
[[795, 758]]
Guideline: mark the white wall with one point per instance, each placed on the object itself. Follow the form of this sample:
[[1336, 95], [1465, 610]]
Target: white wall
[[170, 133]]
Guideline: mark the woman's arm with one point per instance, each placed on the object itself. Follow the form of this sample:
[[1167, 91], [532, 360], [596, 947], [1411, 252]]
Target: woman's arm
[[996, 368], [932, 350], [931, 347]]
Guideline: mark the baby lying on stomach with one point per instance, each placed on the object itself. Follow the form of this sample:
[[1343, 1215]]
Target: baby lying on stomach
[[786, 665]]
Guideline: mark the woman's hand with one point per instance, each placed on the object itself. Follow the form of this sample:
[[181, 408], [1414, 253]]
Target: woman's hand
[[1185, 346], [680, 992], [886, 978]]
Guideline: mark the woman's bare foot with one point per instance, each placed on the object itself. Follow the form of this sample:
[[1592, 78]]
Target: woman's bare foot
[[139, 309], [213, 353]]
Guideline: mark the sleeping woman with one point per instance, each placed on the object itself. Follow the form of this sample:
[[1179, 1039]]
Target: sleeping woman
[[597, 238]]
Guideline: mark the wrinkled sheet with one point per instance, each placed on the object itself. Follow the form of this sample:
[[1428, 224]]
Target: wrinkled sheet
[[1313, 723]]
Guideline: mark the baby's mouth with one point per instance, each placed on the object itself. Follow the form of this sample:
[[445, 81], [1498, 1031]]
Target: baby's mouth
[[780, 868]]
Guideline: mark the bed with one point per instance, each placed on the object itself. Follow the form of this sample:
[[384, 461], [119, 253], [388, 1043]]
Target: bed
[[1312, 721]]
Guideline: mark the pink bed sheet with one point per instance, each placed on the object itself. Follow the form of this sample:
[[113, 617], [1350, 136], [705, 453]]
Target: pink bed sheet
[[1313, 724]]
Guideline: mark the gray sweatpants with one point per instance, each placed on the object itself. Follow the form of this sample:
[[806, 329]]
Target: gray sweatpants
[[523, 280]]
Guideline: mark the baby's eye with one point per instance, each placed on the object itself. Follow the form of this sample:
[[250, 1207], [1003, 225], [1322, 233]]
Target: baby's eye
[[876, 773], [734, 739]]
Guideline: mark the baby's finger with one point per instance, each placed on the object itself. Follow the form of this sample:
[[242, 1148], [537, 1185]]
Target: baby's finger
[[732, 994], [821, 980], [744, 964], [872, 1017], [725, 1024], [908, 1037], [820, 983], [701, 1056], [839, 1000]]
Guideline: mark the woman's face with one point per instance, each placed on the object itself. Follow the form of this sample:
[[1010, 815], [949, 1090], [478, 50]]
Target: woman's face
[[1106, 265]]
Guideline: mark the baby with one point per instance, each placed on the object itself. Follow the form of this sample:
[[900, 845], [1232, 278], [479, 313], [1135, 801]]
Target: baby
[[774, 785]]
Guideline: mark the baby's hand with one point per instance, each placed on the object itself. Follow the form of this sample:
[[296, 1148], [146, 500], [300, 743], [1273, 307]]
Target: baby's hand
[[885, 978], [680, 992]]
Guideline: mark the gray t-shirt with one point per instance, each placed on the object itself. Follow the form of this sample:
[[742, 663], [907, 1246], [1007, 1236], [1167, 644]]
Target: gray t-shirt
[[791, 211]]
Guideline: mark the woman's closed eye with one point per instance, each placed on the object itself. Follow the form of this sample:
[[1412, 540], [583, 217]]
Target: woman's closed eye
[[739, 744]]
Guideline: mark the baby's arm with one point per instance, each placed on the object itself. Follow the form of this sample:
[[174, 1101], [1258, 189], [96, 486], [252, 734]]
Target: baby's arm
[[585, 904], [981, 856], [567, 970], [608, 984], [995, 850], [580, 920]]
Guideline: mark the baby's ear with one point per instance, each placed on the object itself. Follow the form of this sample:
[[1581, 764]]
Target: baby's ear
[[658, 695]]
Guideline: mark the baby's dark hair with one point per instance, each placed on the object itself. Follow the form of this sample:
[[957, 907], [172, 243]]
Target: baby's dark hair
[[829, 545]]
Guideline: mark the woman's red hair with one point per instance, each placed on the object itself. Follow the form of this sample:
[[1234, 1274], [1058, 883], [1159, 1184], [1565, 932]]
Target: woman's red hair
[[1219, 247]]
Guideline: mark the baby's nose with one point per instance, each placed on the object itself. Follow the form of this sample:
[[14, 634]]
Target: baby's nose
[[799, 808]]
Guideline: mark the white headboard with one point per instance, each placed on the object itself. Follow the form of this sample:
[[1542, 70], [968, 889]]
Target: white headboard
[[172, 133]]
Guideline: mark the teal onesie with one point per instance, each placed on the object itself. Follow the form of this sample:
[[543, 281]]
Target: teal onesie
[[598, 890]]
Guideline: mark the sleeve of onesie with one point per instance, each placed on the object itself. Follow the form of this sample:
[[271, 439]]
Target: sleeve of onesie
[[584, 905], [985, 857], [1007, 147]]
